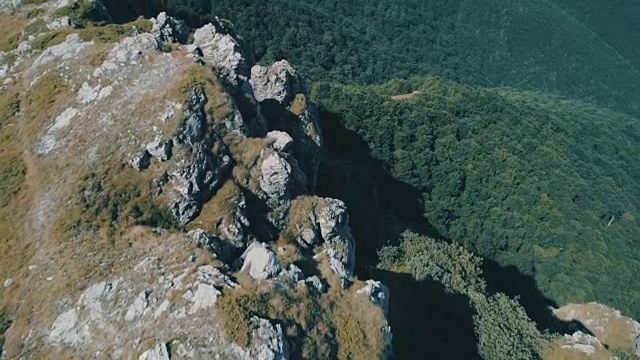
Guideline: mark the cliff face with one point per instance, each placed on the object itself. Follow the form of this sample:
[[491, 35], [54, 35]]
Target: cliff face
[[161, 200]]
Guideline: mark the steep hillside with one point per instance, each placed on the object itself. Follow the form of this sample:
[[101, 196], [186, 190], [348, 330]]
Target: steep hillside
[[541, 183]]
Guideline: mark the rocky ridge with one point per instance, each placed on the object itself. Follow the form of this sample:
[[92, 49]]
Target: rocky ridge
[[186, 175]]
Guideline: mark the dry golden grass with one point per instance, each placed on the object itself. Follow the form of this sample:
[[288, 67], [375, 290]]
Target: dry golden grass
[[107, 34], [246, 151], [300, 211], [11, 33], [299, 104], [220, 208]]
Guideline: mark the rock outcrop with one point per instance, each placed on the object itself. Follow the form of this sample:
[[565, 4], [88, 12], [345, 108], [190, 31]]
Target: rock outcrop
[[260, 261], [219, 49], [608, 325], [186, 173]]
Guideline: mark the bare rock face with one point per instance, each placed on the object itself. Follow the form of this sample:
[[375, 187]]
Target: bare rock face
[[167, 29], [325, 221], [267, 342], [159, 352], [282, 141], [336, 233], [223, 52], [582, 343], [200, 172], [284, 99], [280, 179], [277, 82]]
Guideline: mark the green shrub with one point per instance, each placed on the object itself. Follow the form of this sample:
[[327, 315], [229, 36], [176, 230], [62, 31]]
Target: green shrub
[[12, 176]]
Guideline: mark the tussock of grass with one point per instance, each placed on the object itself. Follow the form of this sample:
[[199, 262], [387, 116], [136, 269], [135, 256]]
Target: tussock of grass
[[11, 33], [220, 208], [246, 151], [115, 199], [36, 27], [12, 176], [9, 106], [299, 213]]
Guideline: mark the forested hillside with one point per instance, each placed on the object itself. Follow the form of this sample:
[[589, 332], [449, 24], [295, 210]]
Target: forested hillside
[[545, 184], [566, 47]]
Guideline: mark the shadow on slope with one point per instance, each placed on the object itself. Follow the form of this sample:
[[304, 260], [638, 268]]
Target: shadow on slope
[[422, 315], [428, 321]]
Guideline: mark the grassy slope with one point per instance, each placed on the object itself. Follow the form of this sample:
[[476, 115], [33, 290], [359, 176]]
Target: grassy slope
[[527, 44], [523, 178]]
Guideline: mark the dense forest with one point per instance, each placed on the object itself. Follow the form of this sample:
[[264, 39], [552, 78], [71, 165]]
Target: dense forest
[[519, 177]]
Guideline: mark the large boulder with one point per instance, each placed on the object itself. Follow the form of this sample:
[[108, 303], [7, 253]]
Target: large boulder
[[222, 51], [279, 179], [277, 82], [336, 233], [167, 29], [260, 261]]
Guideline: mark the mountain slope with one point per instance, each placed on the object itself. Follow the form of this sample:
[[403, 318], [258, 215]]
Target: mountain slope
[[545, 184]]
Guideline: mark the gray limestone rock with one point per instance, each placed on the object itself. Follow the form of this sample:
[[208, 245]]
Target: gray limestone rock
[[267, 341], [328, 223], [160, 149], [284, 99], [204, 296], [167, 29], [198, 172], [159, 352], [314, 283], [65, 330], [138, 307], [282, 141], [260, 261], [292, 273], [223, 52], [336, 233], [281, 179], [277, 82]]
